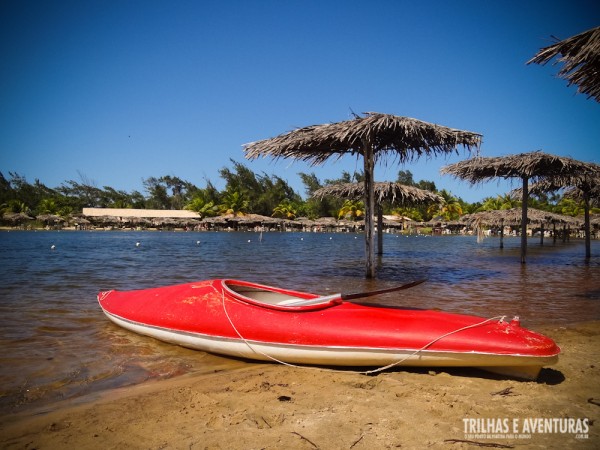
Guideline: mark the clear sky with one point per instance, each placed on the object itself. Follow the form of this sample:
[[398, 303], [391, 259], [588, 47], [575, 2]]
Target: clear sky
[[118, 91]]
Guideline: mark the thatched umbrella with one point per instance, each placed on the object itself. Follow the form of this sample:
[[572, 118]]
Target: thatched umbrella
[[303, 223], [16, 218], [374, 136], [583, 185], [528, 166], [140, 221], [79, 221], [513, 216], [49, 218], [255, 220], [395, 193], [581, 57], [217, 221]]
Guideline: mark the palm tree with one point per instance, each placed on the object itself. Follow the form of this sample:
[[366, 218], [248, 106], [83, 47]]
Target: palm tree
[[412, 212], [234, 203], [285, 210], [353, 209], [505, 201], [570, 207], [449, 209], [202, 207], [15, 206], [47, 206]]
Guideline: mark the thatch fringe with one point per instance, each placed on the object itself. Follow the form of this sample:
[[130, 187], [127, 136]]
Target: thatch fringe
[[578, 186], [532, 165], [404, 138], [580, 55], [396, 193], [513, 217]]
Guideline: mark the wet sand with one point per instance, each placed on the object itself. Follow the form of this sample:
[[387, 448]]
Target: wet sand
[[273, 406]]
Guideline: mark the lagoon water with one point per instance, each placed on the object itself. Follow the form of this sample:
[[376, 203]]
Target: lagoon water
[[57, 344]]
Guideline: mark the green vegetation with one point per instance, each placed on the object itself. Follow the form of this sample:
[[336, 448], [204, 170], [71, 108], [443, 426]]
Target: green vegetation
[[245, 192]]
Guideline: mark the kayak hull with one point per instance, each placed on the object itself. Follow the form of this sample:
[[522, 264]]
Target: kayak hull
[[252, 321]]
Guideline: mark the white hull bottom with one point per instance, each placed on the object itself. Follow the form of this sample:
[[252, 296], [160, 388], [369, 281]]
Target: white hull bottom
[[527, 367]]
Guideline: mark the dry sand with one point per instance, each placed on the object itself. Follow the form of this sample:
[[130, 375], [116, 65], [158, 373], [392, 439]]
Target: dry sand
[[270, 406]]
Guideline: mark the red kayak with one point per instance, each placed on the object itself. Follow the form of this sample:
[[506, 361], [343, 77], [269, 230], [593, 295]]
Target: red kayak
[[254, 321]]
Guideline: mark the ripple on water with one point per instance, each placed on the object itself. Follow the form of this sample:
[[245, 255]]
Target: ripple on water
[[57, 344]]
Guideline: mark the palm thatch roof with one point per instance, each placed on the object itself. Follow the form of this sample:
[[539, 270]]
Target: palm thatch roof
[[304, 221], [49, 218], [375, 137], [404, 138], [532, 165], [577, 185], [16, 217], [395, 193], [79, 221], [258, 219], [513, 217], [242, 219], [580, 55], [579, 194]]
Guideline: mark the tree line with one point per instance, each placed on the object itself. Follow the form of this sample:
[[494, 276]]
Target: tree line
[[245, 192]]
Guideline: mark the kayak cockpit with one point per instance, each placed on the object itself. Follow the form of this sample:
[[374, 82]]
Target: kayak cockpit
[[277, 298]]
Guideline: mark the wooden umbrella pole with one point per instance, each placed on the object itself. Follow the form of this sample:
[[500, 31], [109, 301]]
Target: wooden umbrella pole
[[369, 166], [586, 210], [524, 219], [379, 209]]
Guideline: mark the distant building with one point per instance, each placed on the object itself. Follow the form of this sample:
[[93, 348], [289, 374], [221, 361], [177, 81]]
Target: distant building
[[144, 213]]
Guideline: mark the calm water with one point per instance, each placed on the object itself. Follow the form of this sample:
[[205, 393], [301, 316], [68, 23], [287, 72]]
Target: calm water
[[57, 344]]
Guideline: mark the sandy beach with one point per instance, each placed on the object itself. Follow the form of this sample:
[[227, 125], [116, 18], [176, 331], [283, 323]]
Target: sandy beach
[[270, 406]]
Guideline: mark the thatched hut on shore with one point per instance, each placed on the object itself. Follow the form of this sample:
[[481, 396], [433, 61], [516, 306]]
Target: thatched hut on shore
[[16, 219], [243, 222], [51, 220], [300, 224]]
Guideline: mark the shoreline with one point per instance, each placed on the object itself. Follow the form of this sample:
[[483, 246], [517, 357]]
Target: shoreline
[[531, 238], [265, 405]]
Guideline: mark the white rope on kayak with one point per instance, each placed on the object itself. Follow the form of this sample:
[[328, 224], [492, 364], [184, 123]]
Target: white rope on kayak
[[368, 372], [389, 366], [248, 343]]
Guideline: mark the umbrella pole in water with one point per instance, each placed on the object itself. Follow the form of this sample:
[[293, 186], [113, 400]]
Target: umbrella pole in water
[[379, 208], [369, 165], [524, 219]]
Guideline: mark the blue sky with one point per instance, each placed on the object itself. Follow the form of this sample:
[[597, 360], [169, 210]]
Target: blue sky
[[118, 91]]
